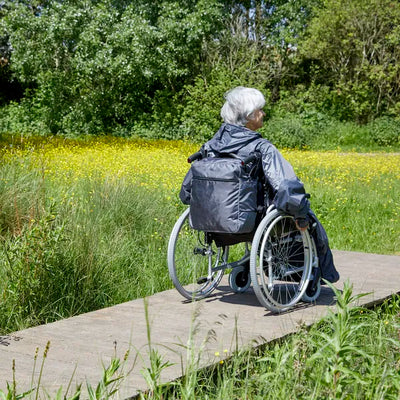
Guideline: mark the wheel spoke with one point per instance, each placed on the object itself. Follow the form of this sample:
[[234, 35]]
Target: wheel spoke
[[282, 262]]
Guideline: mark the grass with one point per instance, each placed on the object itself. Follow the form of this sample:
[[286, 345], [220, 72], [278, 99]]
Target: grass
[[356, 196], [85, 255], [85, 224], [352, 353]]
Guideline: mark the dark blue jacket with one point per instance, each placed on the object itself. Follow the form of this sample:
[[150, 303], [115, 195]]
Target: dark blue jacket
[[286, 191]]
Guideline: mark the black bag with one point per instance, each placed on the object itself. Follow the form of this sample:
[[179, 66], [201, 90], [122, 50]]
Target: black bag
[[223, 195]]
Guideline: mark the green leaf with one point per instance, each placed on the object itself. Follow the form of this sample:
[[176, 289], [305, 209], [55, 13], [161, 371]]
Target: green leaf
[[91, 393]]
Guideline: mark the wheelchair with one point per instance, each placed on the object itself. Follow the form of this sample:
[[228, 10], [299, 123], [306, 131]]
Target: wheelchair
[[279, 261]]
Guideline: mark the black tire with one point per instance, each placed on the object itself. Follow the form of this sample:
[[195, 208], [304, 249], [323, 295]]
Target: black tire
[[239, 279]]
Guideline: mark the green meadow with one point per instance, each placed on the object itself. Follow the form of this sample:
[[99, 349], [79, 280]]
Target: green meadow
[[85, 224]]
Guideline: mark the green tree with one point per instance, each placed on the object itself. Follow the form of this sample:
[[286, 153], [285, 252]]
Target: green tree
[[95, 65], [257, 48], [356, 49]]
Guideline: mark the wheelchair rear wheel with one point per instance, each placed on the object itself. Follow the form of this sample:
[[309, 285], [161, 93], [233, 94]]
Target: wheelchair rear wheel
[[281, 261], [195, 264]]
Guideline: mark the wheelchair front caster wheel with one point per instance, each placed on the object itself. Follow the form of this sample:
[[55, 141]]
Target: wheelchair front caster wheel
[[312, 292], [239, 279]]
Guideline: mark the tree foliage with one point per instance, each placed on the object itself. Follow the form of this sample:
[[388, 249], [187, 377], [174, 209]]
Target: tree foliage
[[97, 64], [162, 66], [357, 46]]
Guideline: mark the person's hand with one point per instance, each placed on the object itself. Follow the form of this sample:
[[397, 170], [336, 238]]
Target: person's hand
[[301, 224]]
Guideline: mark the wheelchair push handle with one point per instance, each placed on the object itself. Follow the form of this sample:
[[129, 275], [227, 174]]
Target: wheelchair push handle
[[194, 157]]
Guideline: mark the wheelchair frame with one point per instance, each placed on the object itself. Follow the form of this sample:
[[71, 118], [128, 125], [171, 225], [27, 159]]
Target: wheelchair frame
[[282, 264]]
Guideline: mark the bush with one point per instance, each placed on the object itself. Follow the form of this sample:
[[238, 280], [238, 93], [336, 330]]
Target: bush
[[23, 118], [202, 101], [385, 131], [345, 135], [294, 131], [310, 129]]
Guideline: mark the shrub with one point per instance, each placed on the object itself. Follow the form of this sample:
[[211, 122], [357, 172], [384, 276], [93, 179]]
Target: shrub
[[202, 101], [289, 131], [23, 118], [385, 131]]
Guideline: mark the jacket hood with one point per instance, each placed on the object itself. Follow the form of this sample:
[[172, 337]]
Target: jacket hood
[[231, 138]]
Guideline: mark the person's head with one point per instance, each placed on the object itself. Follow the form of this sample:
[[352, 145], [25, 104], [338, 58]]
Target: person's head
[[243, 107]]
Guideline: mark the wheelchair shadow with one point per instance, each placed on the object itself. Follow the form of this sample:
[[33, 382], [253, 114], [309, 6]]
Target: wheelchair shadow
[[248, 298]]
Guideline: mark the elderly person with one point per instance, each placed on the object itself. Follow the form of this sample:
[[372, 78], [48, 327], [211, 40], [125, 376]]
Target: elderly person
[[242, 115]]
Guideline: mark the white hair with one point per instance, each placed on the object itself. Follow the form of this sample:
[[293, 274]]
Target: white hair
[[240, 104]]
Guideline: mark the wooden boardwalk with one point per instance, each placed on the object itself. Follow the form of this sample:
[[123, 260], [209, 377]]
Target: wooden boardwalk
[[85, 342]]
